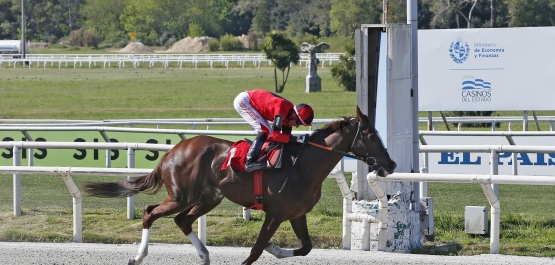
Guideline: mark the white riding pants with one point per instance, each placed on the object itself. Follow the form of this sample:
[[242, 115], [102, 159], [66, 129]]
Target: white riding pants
[[251, 115]]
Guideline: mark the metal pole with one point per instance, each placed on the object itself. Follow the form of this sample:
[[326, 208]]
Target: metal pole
[[412, 19], [23, 50]]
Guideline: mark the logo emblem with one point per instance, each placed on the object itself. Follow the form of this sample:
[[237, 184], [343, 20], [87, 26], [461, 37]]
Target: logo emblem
[[476, 90], [475, 83], [459, 51]]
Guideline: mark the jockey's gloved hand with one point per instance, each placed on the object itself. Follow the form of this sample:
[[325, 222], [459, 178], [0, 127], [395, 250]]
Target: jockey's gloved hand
[[276, 125], [303, 139]]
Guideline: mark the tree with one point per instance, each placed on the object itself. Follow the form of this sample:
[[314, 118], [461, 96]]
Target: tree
[[261, 21], [344, 73], [102, 17], [347, 16], [531, 13], [466, 13], [282, 51], [151, 19]]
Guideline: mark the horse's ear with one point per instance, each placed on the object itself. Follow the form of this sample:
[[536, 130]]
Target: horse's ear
[[363, 118]]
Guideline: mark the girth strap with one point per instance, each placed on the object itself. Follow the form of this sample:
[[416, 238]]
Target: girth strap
[[258, 195]]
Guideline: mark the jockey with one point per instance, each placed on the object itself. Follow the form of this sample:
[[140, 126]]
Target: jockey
[[258, 107]]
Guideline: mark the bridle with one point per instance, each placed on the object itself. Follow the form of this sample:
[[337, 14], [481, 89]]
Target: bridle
[[373, 167], [365, 159]]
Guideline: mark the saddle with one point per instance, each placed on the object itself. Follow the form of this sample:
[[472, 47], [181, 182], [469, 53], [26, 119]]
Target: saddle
[[236, 159]]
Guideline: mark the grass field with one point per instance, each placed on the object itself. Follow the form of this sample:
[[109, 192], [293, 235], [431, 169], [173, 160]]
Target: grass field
[[527, 220]]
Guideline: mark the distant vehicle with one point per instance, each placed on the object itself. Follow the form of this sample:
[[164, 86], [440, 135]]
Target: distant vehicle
[[12, 47]]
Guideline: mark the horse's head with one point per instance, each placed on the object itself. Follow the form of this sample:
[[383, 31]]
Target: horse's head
[[368, 145]]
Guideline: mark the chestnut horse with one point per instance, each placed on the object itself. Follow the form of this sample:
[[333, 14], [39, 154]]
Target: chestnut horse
[[191, 172]]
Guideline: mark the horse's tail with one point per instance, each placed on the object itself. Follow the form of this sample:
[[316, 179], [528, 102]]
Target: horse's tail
[[151, 184]]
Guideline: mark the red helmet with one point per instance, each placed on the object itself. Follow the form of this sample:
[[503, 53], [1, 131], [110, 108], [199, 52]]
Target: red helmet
[[304, 113]]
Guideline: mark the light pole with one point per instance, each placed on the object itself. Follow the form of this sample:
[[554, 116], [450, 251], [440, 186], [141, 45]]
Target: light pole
[[23, 29]]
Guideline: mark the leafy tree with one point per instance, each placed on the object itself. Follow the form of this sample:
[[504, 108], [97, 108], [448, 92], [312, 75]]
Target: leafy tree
[[229, 43], [347, 15], [195, 30], [465, 13], [344, 73], [153, 18], [102, 17], [531, 13], [282, 51], [229, 20], [261, 21]]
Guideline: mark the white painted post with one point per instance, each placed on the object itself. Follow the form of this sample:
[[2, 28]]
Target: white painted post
[[77, 208], [494, 169], [495, 218], [16, 183], [202, 229], [347, 208], [246, 214], [130, 199]]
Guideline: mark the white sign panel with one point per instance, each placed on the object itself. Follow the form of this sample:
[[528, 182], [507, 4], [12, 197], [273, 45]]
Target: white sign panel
[[479, 163], [486, 69]]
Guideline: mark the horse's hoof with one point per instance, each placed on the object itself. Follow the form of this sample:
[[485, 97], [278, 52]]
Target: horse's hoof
[[269, 247], [132, 262], [205, 260]]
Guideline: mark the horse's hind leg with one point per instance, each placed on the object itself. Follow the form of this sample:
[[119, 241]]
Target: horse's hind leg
[[301, 231], [151, 213], [186, 219]]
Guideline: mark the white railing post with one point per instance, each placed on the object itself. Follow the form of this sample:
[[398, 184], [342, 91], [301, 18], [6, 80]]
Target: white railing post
[[77, 208], [495, 218], [16, 183], [202, 229], [494, 169], [130, 199]]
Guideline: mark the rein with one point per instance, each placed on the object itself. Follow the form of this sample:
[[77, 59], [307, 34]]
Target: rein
[[363, 159]]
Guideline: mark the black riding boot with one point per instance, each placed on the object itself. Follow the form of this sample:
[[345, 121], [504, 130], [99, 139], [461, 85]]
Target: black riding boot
[[254, 151]]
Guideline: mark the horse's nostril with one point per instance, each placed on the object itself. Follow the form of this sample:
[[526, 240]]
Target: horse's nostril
[[392, 166]]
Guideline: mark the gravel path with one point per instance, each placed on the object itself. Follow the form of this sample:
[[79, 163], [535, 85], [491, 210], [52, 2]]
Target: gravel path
[[19, 253]]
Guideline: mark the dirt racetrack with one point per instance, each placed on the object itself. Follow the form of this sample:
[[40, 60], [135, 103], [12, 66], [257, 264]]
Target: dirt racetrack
[[20, 253]]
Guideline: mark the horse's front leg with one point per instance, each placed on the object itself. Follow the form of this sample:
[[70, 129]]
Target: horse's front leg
[[268, 229], [301, 231]]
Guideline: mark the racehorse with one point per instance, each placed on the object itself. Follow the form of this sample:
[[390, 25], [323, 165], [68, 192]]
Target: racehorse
[[191, 173]]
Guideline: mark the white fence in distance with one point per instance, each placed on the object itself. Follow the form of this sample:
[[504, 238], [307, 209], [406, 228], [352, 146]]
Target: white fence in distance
[[163, 59]]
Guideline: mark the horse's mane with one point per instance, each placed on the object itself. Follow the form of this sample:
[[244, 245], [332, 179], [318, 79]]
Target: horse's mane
[[335, 125]]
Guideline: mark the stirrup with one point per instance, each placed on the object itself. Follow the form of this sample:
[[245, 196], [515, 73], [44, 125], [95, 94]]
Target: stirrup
[[249, 167]]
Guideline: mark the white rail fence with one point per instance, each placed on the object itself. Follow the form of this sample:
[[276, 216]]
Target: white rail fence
[[106, 60], [9, 124], [490, 191], [433, 123], [485, 181], [67, 172]]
